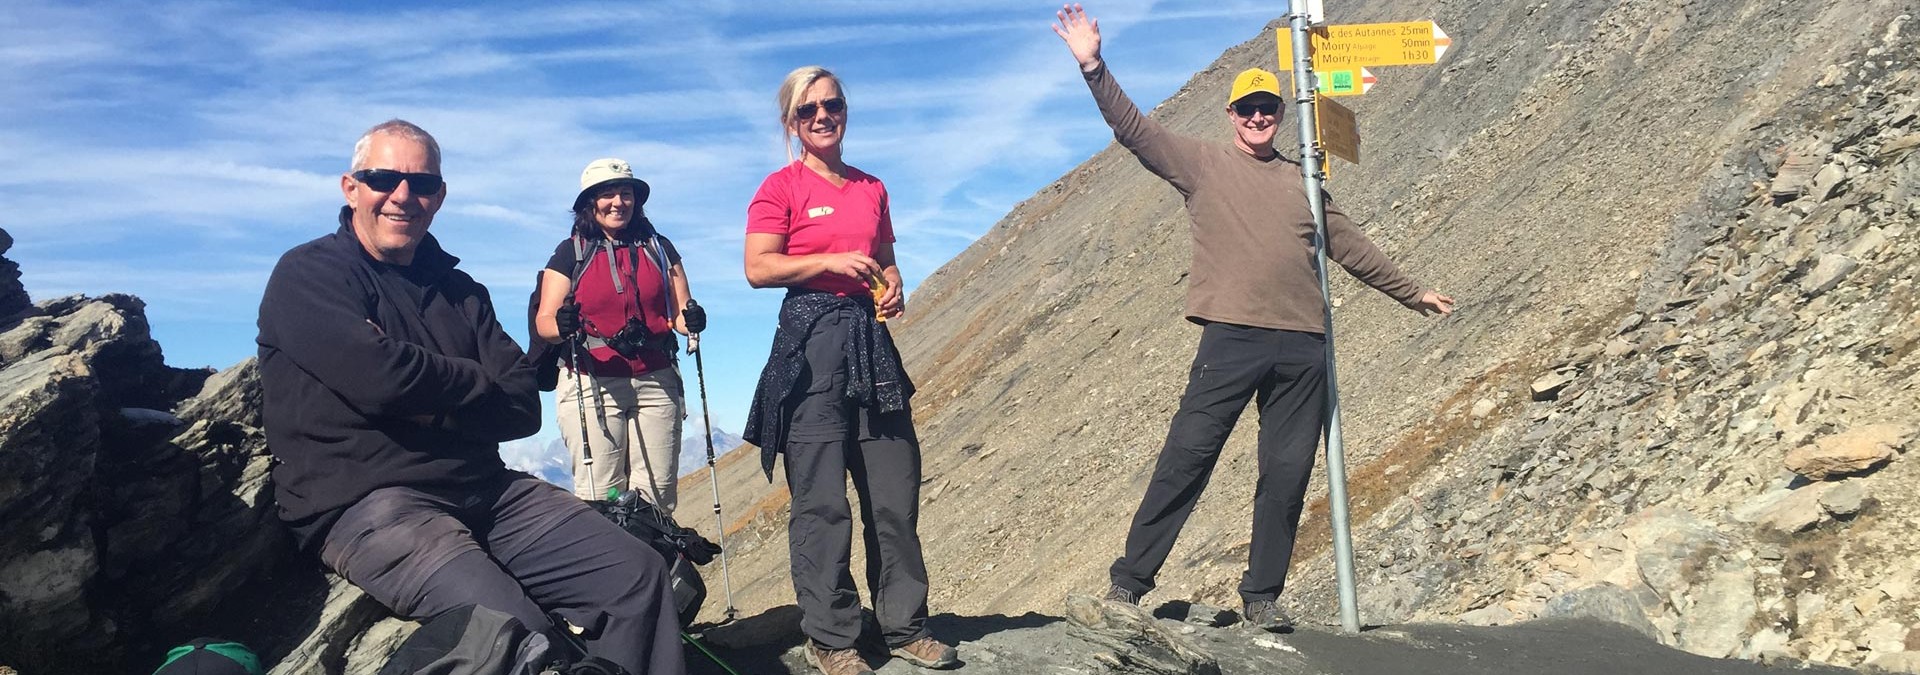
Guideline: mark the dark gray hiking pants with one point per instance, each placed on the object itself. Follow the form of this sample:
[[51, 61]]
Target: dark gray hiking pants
[[1285, 372], [829, 440], [521, 546]]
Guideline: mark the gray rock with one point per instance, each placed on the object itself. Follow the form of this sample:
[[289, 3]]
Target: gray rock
[[1797, 512], [1716, 623], [1896, 662], [1137, 640], [1833, 269], [1827, 180], [1605, 602], [13, 296], [1492, 615], [346, 614], [1845, 499], [1547, 387]]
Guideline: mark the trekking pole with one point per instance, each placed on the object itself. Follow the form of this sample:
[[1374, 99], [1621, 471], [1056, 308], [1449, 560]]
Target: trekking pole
[[580, 402], [719, 523]]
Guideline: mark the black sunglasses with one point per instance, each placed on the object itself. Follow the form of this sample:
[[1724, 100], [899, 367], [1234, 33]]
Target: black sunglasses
[[1270, 108], [806, 111], [388, 180]]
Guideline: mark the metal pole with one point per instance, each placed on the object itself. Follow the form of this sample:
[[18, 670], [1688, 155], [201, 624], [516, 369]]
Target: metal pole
[[713, 474], [1303, 86]]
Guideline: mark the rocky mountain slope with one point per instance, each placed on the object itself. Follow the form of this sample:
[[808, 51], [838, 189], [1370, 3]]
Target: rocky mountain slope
[[1680, 233]]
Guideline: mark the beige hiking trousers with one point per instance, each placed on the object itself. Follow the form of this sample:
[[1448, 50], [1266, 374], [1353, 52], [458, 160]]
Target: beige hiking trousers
[[633, 428]]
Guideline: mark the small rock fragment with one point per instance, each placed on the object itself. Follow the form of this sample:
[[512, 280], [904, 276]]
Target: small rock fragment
[[1548, 386]]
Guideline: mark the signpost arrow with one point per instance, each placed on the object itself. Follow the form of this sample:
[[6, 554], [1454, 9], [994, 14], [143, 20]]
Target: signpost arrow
[[1350, 46]]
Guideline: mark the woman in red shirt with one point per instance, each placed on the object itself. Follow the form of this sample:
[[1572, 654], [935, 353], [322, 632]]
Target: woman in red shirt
[[833, 397], [617, 285]]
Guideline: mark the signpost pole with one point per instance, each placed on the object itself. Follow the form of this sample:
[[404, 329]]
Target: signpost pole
[[1310, 158]]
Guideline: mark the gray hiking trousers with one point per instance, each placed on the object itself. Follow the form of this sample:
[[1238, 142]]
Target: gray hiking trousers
[[519, 546], [829, 440]]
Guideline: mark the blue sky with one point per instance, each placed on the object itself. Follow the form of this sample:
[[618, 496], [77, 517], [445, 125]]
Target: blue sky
[[173, 150]]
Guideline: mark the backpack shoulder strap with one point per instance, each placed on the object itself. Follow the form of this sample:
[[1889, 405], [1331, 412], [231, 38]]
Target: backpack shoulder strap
[[581, 251]]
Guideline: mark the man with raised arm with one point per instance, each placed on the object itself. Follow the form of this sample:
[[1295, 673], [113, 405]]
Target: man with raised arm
[[1253, 290], [388, 387]]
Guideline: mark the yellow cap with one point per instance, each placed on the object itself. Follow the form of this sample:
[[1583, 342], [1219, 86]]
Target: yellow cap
[[1253, 81]]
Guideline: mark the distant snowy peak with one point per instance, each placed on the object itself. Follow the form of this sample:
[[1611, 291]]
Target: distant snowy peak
[[693, 446], [548, 459]]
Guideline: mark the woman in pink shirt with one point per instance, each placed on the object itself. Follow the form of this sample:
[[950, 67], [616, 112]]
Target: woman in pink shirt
[[833, 397]]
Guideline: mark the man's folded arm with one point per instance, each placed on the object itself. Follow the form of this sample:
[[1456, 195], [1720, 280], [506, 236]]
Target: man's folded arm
[[318, 318], [511, 407]]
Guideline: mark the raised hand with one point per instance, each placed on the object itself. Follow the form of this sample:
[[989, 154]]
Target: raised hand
[[1082, 35]]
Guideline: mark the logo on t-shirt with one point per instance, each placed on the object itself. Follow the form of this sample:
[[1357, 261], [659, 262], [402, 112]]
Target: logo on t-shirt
[[819, 211]]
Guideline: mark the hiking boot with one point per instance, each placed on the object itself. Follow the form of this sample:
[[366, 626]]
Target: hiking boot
[[836, 661], [927, 652], [1268, 616], [1117, 594]]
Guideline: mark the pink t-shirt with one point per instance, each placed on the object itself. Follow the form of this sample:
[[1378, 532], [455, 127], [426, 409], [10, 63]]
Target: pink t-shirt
[[817, 217]]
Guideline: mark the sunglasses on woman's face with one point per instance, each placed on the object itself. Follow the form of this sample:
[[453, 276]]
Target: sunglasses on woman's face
[[1269, 108], [806, 111], [388, 180]]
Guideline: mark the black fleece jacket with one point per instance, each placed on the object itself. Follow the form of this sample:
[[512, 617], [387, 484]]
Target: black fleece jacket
[[379, 375]]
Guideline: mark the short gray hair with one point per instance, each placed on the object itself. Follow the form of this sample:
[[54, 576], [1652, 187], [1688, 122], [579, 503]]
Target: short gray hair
[[396, 127]]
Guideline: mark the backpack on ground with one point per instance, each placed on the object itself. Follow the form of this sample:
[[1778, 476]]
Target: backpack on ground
[[682, 547]]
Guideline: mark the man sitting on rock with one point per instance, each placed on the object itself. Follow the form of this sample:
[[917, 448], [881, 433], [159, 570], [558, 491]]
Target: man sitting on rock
[[1255, 295], [389, 385]]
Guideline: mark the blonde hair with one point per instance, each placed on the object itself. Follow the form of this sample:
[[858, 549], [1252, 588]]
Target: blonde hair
[[791, 89]]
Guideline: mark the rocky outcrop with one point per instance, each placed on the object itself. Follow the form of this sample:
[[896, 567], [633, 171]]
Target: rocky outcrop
[[13, 296], [133, 496]]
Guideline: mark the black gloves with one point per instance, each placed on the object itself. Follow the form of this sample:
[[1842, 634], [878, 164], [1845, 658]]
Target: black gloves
[[695, 317], [567, 319]]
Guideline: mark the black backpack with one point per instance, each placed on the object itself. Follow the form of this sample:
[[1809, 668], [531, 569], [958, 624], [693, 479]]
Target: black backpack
[[682, 547]]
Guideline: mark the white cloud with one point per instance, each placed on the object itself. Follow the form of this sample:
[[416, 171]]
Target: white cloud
[[174, 151]]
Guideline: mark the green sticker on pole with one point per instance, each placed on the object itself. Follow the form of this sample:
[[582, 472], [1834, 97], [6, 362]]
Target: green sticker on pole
[[1345, 82]]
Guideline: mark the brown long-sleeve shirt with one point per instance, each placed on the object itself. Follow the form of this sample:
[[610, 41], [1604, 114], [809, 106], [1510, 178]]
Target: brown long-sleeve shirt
[[1252, 225]]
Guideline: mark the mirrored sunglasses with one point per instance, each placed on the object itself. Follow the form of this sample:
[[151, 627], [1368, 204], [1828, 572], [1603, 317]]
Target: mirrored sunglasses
[[806, 111], [388, 180]]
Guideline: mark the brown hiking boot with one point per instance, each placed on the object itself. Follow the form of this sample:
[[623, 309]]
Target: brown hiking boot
[[927, 652], [836, 661]]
